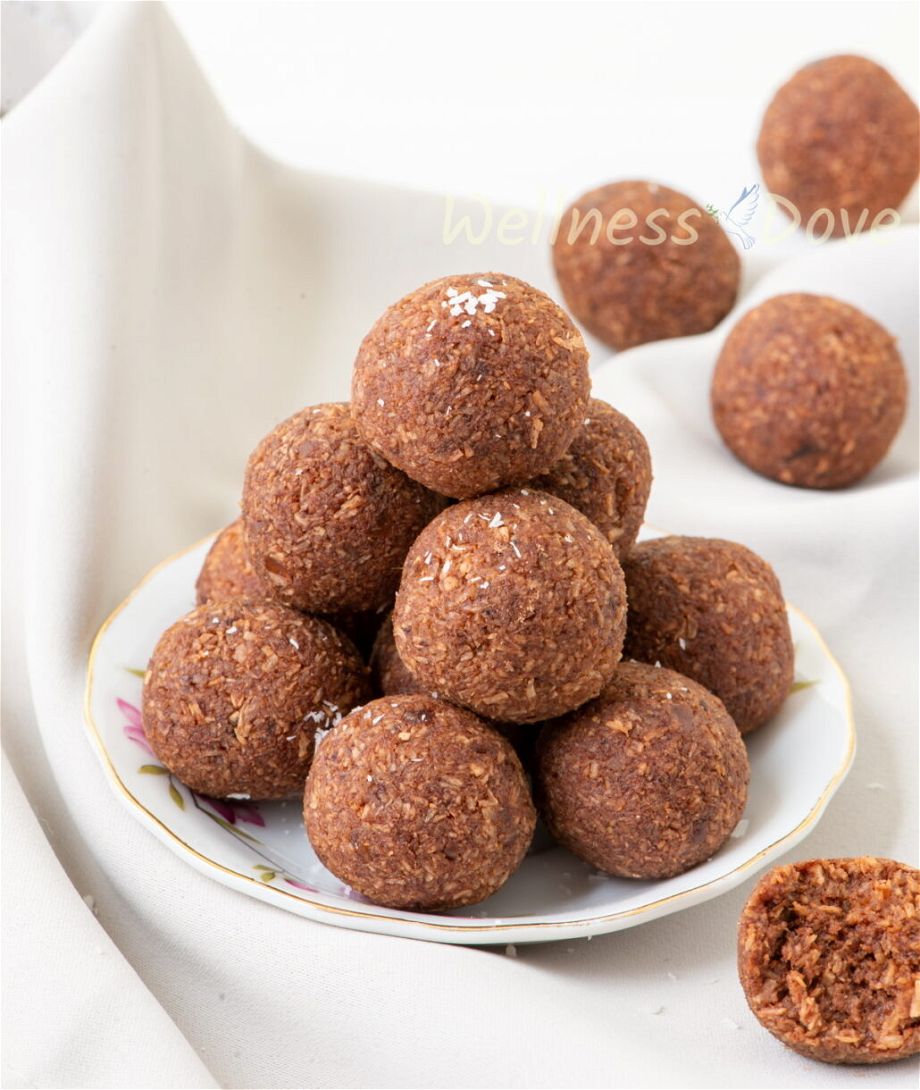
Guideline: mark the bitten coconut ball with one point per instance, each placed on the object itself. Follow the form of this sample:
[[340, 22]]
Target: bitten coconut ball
[[829, 958], [606, 474], [713, 610], [327, 520], [841, 135], [646, 781], [809, 391], [639, 262], [512, 605], [235, 691], [471, 382], [418, 805]]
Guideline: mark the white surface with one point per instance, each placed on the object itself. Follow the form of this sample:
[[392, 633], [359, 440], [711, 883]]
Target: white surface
[[168, 295], [797, 763]]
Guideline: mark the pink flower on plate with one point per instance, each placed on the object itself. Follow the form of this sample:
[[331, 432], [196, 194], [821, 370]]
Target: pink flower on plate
[[234, 810], [299, 885], [134, 725]]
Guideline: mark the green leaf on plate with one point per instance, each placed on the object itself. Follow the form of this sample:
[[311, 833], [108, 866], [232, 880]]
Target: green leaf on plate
[[798, 686], [153, 770], [137, 673], [176, 797], [267, 876]]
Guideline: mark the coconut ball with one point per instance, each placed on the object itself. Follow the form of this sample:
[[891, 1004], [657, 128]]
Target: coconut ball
[[512, 605], [646, 781], [471, 382], [235, 691], [226, 572], [418, 805], [327, 520], [606, 474], [639, 262], [841, 135], [390, 673], [809, 391], [829, 958], [392, 676], [713, 610]]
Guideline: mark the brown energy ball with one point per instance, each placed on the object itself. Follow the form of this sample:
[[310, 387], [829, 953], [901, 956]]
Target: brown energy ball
[[418, 805], [606, 474], [842, 135], [829, 958], [639, 262], [328, 521], [471, 382], [512, 605], [392, 676], [390, 673], [226, 572], [235, 691], [646, 781], [809, 391], [714, 611]]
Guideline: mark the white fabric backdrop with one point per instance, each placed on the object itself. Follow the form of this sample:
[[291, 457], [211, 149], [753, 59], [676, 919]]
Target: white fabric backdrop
[[169, 294]]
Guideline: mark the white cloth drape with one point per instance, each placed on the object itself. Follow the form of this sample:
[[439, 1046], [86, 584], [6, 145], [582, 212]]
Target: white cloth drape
[[169, 294]]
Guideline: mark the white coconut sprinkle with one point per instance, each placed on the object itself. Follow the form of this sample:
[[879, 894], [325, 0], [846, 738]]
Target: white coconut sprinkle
[[293, 643], [241, 798], [496, 521], [381, 402], [517, 551], [431, 325], [458, 302], [741, 828], [232, 630], [682, 643]]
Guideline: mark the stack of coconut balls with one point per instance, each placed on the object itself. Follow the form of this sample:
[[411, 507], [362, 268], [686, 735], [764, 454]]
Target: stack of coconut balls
[[469, 521]]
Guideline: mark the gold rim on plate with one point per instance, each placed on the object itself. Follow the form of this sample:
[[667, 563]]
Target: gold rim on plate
[[473, 928]]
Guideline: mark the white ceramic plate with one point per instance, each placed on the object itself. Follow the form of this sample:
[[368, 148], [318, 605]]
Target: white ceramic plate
[[797, 763]]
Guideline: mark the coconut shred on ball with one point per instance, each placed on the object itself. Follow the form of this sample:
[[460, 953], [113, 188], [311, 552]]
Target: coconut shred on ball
[[417, 804], [646, 781], [713, 610], [471, 382], [640, 262], [327, 520], [512, 605], [235, 692]]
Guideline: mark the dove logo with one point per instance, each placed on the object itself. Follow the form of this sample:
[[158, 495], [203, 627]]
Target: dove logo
[[821, 226], [734, 222]]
